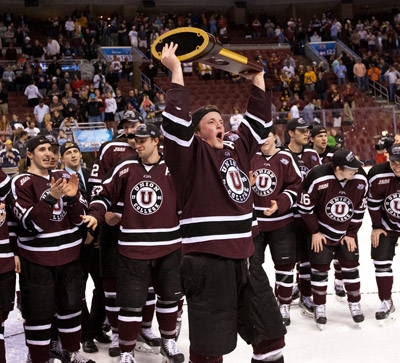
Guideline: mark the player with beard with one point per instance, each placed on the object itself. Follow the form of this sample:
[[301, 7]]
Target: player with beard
[[332, 204], [382, 205], [276, 180], [217, 241], [110, 154], [298, 132]]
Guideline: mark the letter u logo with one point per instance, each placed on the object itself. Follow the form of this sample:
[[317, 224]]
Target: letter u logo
[[340, 209], [262, 181], [146, 196], [396, 206], [235, 178]]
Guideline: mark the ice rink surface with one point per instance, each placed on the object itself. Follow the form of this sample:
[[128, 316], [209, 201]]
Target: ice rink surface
[[340, 341]]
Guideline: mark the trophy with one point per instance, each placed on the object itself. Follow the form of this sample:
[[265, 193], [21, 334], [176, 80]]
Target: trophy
[[196, 45]]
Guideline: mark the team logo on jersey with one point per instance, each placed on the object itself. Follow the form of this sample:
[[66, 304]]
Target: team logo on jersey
[[236, 182], [58, 208], [265, 182], [392, 204], [146, 197], [340, 209], [304, 170]]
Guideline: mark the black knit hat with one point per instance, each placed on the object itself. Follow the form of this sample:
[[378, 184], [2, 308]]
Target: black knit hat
[[201, 112]]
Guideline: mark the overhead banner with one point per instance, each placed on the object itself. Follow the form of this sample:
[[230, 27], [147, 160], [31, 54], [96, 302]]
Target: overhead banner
[[325, 49], [121, 52]]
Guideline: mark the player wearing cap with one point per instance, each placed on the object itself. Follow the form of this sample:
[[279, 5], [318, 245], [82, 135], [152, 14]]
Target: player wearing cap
[[383, 201], [149, 241], [332, 204], [297, 134], [276, 180], [110, 154], [318, 141], [217, 240], [47, 206]]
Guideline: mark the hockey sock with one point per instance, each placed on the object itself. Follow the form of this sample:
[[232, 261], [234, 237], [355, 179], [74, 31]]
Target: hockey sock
[[129, 323], [148, 309], [284, 283], [167, 313], [319, 283], [384, 278], [37, 336]]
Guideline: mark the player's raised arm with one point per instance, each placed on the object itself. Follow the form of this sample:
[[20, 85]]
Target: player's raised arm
[[171, 61]]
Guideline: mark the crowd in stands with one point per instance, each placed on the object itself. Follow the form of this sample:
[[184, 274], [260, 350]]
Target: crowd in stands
[[63, 99]]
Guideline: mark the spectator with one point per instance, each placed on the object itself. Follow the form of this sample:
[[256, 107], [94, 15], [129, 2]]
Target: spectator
[[53, 67], [374, 73], [42, 81], [133, 37], [309, 79], [392, 76], [11, 53], [20, 145], [93, 109], [3, 99], [294, 110], [121, 103], [321, 86], [236, 119], [39, 111], [341, 72], [6, 131], [53, 48], [38, 51], [9, 78], [360, 72], [33, 95], [9, 159], [31, 129], [337, 105]]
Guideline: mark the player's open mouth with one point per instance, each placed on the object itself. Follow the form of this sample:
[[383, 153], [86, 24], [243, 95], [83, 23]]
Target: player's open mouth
[[219, 135]]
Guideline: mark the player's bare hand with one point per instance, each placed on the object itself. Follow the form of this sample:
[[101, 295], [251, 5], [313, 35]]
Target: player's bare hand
[[112, 219], [252, 178], [56, 187], [317, 242], [272, 209], [256, 77], [17, 262], [89, 239], [90, 221], [375, 236], [169, 58], [2, 212], [71, 186], [350, 243]]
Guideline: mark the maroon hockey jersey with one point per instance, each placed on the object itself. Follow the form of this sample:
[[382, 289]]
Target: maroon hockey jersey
[[47, 235], [334, 208], [149, 226], [6, 255], [213, 186], [384, 199], [110, 154], [277, 178]]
